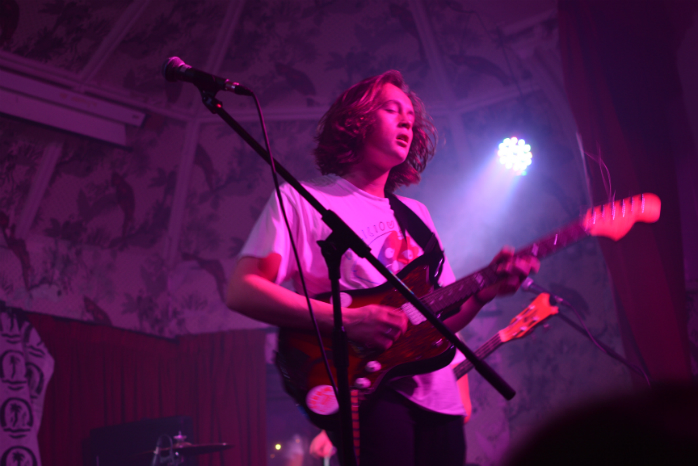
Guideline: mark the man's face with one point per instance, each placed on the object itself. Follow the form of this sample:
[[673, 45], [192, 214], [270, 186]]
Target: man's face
[[389, 139]]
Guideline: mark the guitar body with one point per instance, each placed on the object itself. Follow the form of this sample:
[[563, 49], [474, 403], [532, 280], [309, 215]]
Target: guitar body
[[421, 349]]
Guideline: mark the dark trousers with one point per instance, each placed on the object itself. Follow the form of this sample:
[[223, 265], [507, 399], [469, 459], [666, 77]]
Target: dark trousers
[[395, 431]]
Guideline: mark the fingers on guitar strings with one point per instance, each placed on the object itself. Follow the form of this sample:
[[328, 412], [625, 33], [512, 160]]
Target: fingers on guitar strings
[[520, 266]]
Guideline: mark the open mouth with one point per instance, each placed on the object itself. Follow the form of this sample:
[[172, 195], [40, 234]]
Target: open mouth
[[403, 139]]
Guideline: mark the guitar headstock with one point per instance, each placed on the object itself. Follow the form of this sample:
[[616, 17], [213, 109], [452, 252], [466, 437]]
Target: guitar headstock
[[534, 314], [616, 219]]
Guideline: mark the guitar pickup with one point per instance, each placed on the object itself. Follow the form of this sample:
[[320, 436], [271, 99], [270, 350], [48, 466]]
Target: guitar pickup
[[412, 313]]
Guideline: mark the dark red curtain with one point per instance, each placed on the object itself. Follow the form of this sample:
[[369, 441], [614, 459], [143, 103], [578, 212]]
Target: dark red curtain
[[619, 61], [108, 376]]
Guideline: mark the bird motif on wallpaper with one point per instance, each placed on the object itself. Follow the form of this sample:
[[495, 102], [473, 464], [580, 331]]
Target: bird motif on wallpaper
[[297, 80], [213, 267], [98, 314], [125, 200], [482, 66], [16, 246], [203, 160], [408, 23], [9, 19]]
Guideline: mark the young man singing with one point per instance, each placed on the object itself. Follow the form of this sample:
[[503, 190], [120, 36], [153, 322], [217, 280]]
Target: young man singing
[[374, 138]]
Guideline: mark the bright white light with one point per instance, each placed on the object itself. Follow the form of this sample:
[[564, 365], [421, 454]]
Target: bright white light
[[278, 446], [515, 154]]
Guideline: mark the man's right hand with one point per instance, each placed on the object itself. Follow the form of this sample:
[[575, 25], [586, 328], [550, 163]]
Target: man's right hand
[[374, 326], [252, 292]]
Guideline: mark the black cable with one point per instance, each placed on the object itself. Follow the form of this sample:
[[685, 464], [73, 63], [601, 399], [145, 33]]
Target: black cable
[[294, 247], [604, 348]]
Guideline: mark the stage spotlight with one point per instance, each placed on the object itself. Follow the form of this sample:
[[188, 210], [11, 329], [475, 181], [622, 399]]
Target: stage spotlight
[[278, 446], [515, 154]]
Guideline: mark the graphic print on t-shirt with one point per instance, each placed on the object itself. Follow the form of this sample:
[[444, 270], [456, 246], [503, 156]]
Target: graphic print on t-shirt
[[389, 245]]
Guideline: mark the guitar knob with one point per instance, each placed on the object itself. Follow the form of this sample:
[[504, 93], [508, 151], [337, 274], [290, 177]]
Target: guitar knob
[[373, 366], [362, 383], [321, 400], [437, 343]]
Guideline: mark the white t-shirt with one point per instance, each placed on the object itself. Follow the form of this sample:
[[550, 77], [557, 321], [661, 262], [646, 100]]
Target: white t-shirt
[[373, 220]]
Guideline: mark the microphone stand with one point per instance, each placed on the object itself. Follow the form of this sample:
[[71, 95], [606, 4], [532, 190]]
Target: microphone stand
[[338, 242]]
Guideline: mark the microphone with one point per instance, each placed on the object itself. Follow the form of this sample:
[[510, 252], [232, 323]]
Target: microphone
[[175, 69], [529, 285]]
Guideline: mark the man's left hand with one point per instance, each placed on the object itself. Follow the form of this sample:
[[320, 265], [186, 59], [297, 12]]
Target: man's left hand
[[512, 271]]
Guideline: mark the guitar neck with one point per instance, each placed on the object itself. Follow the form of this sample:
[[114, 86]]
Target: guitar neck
[[453, 295], [535, 313], [482, 352]]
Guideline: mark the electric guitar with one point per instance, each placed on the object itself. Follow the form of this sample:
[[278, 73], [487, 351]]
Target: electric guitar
[[422, 349]]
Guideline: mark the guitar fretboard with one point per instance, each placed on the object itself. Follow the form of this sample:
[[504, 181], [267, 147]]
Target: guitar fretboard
[[451, 296], [560, 239], [482, 352]]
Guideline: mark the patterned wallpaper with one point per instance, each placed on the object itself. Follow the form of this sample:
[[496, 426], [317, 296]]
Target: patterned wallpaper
[[100, 244], [59, 33], [305, 54]]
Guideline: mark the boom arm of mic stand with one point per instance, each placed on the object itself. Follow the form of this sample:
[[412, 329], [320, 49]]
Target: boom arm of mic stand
[[362, 250]]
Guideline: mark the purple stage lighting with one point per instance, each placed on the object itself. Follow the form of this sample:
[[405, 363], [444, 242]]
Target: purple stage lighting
[[515, 154]]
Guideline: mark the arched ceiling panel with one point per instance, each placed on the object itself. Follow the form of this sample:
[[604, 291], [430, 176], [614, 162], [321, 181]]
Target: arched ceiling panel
[[304, 54], [473, 51], [183, 28], [61, 34]]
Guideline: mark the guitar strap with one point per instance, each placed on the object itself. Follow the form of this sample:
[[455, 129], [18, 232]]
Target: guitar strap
[[426, 238]]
